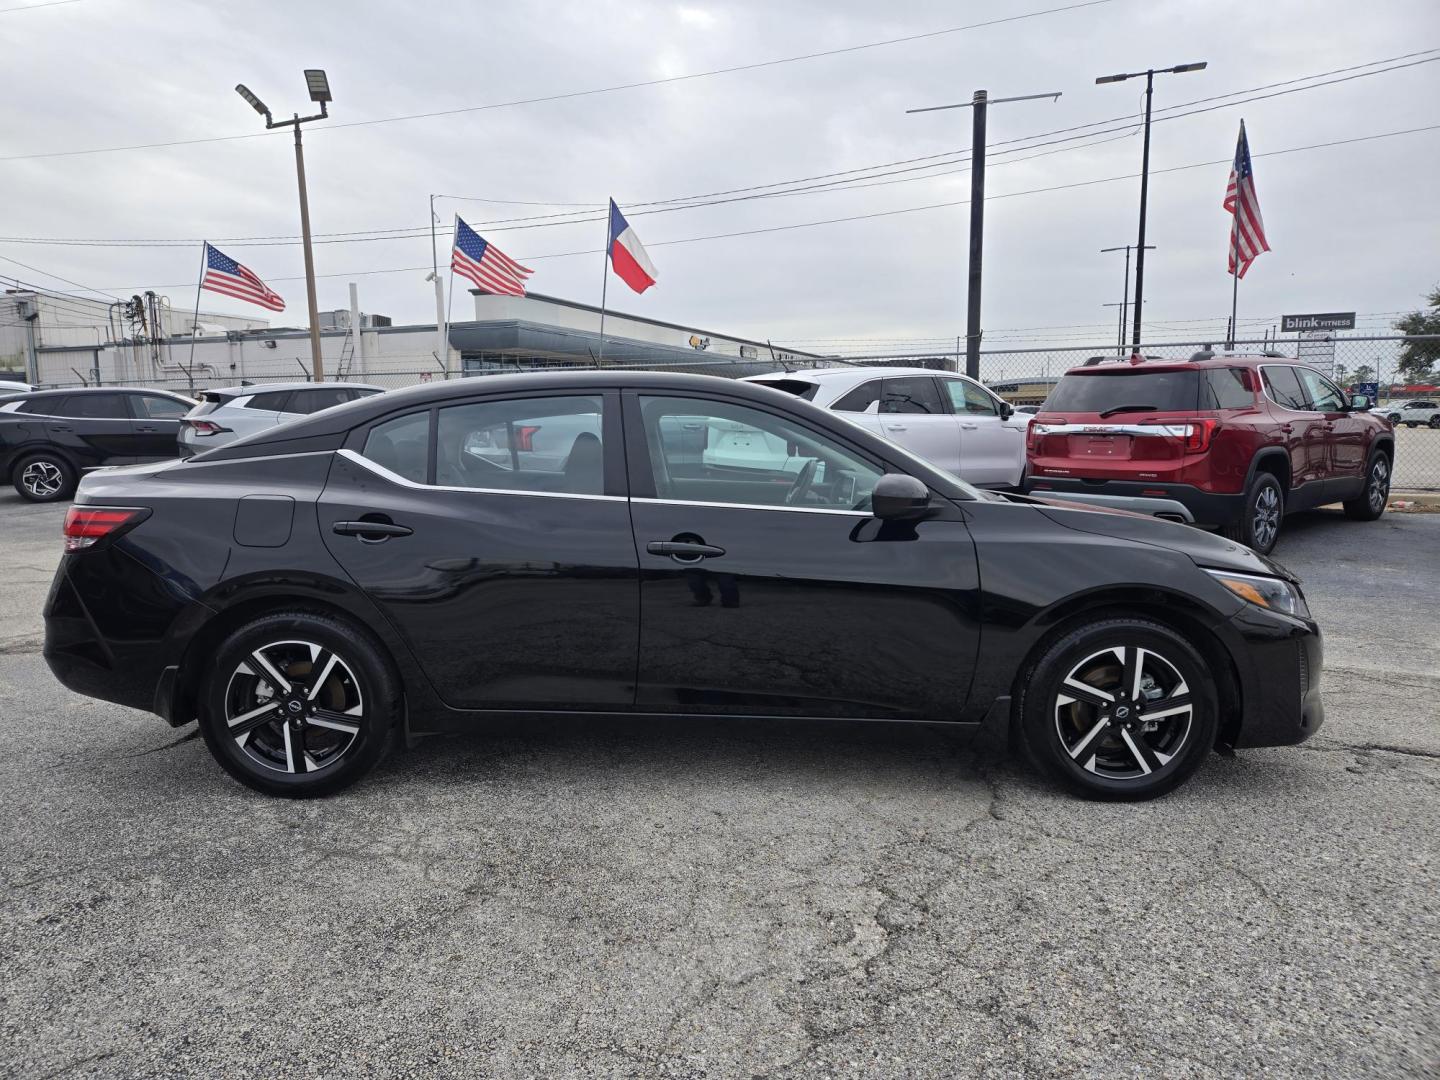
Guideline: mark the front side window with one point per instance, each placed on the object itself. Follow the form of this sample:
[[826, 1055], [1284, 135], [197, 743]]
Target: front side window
[[159, 408], [1283, 387], [402, 445], [913, 395], [720, 452], [1323, 394], [966, 397], [542, 444]]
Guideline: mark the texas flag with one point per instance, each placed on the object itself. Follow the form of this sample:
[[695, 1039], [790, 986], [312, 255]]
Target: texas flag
[[627, 254]]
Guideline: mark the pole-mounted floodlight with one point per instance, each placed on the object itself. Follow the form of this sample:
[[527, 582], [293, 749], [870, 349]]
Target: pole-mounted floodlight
[[255, 102], [1111, 78], [1189, 67], [319, 85]]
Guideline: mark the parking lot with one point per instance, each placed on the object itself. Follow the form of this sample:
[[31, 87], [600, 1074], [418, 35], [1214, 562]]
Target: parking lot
[[720, 899]]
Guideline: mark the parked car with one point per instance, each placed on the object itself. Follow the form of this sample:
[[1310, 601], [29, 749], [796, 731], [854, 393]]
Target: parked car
[[1414, 413], [947, 419], [49, 438], [222, 416], [7, 388], [322, 589], [1232, 442]]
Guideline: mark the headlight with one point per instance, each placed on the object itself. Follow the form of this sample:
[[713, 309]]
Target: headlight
[[1272, 593]]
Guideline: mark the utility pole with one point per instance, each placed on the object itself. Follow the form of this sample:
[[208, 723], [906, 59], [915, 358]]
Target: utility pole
[[319, 87], [442, 327], [980, 103], [1127, 248], [1149, 74], [1120, 337]]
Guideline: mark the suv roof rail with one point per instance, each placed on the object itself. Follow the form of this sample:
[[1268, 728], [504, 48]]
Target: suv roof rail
[[1275, 353], [1131, 358], [1206, 353]]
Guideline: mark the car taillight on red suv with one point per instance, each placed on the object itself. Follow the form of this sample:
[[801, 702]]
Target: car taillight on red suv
[[86, 526]]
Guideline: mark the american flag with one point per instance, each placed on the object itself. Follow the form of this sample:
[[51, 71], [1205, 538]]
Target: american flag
[[485, 264], [224, 275], [1247, 232]]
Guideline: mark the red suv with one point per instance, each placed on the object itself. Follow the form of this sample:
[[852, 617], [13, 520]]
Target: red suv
[[1232, 442]]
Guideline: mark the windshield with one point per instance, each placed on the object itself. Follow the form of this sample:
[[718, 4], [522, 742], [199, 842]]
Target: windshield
[[1128, 390]]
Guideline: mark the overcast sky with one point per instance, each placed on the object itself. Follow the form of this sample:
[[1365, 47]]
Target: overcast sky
[[1353, 227]]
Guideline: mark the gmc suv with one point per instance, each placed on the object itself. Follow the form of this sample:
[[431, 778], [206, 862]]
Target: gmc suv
[[1229, 442]]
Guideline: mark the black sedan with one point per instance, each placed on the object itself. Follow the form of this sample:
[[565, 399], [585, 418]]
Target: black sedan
[[612, 542], [50, 438]]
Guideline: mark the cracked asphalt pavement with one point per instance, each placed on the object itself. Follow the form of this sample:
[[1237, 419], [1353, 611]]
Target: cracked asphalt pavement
[[733, 899]]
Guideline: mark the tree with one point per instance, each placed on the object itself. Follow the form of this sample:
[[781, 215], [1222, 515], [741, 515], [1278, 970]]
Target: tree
[[1364, 373], [1418, 358]]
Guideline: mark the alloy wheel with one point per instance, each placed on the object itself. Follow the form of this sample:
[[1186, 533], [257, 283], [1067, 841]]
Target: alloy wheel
[[42, 479], [294, 707], [1379, 488], [1266, 522], [1123, 713]]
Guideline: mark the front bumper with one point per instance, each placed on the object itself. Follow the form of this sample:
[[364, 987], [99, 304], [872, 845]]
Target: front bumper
[[1278, 660], [1176, 502]]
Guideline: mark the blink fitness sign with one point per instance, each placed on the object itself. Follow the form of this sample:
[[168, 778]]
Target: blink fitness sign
[[1334, 320]]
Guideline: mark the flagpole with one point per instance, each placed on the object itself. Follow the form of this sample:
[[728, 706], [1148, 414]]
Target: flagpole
[[449, 304], [1234, 281], [195, 322], [604, 284]]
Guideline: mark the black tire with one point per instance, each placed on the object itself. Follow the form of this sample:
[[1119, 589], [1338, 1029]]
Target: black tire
[[1087, 745], [44, 478], [1434, 421], [1394, 418], [312, 740], [1370, 503], [1412, 423], [1259, 526]]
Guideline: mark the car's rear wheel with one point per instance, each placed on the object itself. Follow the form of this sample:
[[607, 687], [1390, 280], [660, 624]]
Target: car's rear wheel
[[299, 704], [45, 478], [1123, 708], [1259, 526], [1370, 503]]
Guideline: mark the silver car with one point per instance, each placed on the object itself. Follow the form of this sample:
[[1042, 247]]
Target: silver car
[[236, 411], [949, 419]]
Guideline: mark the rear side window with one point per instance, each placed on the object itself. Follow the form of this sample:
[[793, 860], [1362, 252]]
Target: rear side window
[[1226, 389], [159, 408], [861, 398], [49, 406], [274, 401], [798, 387], [305, 402], [550, 444], [1283, 387], [402, 446], [1130, 390], [96, 407], [913, 395]]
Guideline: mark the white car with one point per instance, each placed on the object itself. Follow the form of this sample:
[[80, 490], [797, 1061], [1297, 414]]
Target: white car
[[949, 419], [1412, 413], [231, 413], [7, 388]]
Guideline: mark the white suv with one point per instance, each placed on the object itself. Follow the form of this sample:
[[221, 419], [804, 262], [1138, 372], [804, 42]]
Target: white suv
[[1413, 413], [236, 411], [946, 418]]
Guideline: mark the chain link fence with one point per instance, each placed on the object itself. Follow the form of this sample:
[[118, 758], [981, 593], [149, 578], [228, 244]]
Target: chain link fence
[[1362, 364]]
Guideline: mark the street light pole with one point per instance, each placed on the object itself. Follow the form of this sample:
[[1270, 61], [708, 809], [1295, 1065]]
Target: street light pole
[[1127, 248], [1149, 74], [319, 87], [980, 103]]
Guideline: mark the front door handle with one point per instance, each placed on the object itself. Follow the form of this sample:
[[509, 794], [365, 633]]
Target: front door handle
[[895, 427], [146, 427], [970, 427], [684, 550], [373, 531]]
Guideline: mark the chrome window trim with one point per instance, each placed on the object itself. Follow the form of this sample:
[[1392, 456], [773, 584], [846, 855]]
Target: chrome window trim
[[752, 506], [395, 478], [1174, 430]]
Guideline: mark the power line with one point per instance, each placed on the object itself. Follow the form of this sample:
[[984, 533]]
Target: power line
[[890, 213], [36, 7], [757, 65]]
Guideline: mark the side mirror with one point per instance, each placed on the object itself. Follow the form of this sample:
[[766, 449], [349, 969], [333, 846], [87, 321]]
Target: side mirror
[[898, 497], [1359, 402], [1006, 410]]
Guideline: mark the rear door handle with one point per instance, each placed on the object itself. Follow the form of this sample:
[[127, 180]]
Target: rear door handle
[[683, 550], [373, 531], [971, 427], [895, 427]]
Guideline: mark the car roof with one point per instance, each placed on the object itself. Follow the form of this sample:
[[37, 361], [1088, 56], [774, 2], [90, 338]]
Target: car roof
[[74, 390], [876, 370], [271, 388], [1112, 365]]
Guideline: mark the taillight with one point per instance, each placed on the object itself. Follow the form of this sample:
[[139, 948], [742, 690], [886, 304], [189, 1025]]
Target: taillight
[[1032, 437], [1198, 434], [86, 526], [524, 434], [205, 427]]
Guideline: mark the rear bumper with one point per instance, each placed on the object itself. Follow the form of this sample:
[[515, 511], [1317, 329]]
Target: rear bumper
[[1179, 502]]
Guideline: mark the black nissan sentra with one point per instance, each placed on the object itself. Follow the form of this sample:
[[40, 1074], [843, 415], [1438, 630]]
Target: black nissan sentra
[[673, 545]]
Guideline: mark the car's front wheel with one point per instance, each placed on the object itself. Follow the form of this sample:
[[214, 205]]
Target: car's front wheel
[[1434, 421], [1122, 708], [299, 704], [1259, 525], [44, 478]]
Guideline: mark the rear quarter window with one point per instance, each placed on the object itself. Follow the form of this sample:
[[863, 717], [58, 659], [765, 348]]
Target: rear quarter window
[[1146, 391], [1226, 389]]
